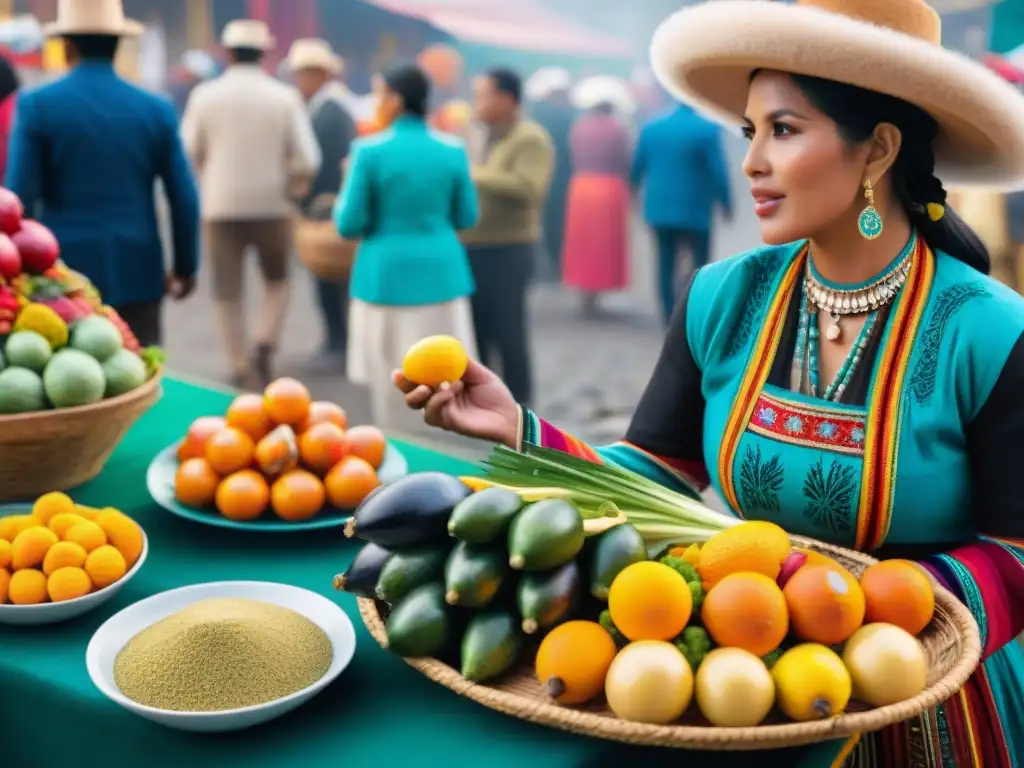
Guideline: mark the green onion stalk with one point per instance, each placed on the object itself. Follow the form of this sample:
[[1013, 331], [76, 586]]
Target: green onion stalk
[[607, 495]]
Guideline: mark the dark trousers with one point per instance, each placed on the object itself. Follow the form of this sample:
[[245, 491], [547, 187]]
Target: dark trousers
[[333, 300], [144, 318], [502, 273], [672, 242]]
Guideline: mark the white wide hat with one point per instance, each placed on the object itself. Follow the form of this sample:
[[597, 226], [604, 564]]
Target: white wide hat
[[247, 33], [705, 54], [546, 81], [92, 17], [604, 89], [313, 53]]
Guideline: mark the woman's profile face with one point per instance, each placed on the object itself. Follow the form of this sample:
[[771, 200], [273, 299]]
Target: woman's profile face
[[804, 177]]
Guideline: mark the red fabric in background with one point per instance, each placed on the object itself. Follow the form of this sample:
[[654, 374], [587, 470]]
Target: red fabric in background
[[6, 122]]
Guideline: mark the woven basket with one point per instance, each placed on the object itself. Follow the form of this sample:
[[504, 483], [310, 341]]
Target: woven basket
[[952, 643], [324, 253], [63, 448]]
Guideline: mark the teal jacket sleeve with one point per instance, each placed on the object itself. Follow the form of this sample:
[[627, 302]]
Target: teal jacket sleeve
[[182, 197], [465, 205], [26, 156], [639, 168], [352, 214]]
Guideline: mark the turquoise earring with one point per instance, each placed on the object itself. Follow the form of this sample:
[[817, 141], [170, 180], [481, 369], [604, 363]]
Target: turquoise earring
[[870, 222]]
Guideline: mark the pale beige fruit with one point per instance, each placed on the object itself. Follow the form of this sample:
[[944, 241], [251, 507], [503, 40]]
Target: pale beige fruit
[[733, 688], [649, 682], [887, 664]]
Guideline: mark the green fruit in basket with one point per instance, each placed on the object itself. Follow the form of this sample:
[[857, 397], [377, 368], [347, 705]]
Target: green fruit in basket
[[545, 599], [73, 378], [3, 363], [545, 535], [28, 349], [608, 555], [419, 625], [405, 571], [485, 516], [123, 371], [474, 574], [21, 391], [97, 337], [490, 646]]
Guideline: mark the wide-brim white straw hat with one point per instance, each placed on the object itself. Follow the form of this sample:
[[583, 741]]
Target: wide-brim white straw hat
[[92, 17], [247, 33], [546, 81], [705, 54], [603, 89], [312, 53]]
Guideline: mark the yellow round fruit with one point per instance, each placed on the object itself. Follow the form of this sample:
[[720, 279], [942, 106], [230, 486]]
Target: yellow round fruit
[[64, 554], [734, 689], [68, 584], [123, 532], [650, 601], [27, 587], [811, 683], [435, 360], [887, 664], [573, 660], [12, 525], [756, 546], [89, 535], [5, 584], [105, 565], [49, 505], [30, 546], [5, 553], [649, 682], [64, 522]]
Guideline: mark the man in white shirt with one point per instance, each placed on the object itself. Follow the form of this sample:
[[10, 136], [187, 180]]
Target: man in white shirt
[[253, 146]]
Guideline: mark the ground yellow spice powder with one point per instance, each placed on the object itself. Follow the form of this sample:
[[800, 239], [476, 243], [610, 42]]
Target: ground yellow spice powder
[[222, 654]]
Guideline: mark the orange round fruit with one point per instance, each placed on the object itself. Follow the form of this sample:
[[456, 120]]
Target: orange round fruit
[[349, 482], [277, 452], [322, 446], [247, 414], [243, 495], [201, 430], [287, 401], [195, 483], [230, 450], [898, 592], [368, 443], [825, 603], [650, 601], [322, 411], [746, 610], [297, 495]]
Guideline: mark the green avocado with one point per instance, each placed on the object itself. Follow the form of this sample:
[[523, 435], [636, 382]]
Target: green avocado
[[405, 571], [419, 626], [608, 555], [473, 574], [545, 599], [485, 516], [545, 535], [490, 646]]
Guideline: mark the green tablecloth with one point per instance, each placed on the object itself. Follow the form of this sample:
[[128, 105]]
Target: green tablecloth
[[379, 712]]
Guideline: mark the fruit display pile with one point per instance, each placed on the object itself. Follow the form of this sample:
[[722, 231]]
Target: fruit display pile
[[63, 551], [60, 346], [744, 625], [280, 452]]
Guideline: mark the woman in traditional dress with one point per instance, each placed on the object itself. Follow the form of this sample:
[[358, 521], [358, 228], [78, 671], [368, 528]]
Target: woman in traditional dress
[[9, 85], [406, 195], [595, 257], [859, 379]]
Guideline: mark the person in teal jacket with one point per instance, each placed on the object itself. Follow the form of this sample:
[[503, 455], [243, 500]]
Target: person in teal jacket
[[406, 195]]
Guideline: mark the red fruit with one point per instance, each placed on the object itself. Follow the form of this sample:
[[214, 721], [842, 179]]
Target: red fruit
[[794, 562], [11, 212], [38, 247], [67, 309], [10, 259]]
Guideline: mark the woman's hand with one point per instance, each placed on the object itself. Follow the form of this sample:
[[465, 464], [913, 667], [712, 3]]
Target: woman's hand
[[480, 405]]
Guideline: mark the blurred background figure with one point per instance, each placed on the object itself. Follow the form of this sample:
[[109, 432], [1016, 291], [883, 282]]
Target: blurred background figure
[[195, 67], [680, 164], [9, 85], [547, 90], [407, 193], [596, 258], [251, 141], [84, 157], [513, 160], [314, 67]]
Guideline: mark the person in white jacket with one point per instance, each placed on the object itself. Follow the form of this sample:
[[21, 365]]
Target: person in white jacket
[[253, 147]]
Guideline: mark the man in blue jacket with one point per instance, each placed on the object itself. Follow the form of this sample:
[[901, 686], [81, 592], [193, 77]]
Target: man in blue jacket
[[680, 160], [84, 157]]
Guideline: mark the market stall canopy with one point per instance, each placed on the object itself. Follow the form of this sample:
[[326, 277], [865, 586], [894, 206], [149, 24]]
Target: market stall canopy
[[523, 25]]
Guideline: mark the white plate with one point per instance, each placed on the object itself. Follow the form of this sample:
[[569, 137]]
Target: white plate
[[53, 613], [115, 633]]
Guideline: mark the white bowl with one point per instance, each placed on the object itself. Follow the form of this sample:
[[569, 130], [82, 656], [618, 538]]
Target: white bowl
[[115, 633], [52, 613]]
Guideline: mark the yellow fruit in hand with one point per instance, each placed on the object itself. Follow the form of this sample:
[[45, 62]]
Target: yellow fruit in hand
[[811, 683], [64, 554], [88, 534], [105, 566], [5, 553], [435, 360], [5, 584], [756, 546], [123, 532], [11, 526], [64, 522], [30, 547], [49, 505], [27, 587], [650, 601], [68, 584]]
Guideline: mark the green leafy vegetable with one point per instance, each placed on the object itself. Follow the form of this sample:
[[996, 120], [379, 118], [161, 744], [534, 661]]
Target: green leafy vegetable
[[605, 620], [694, 643]]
